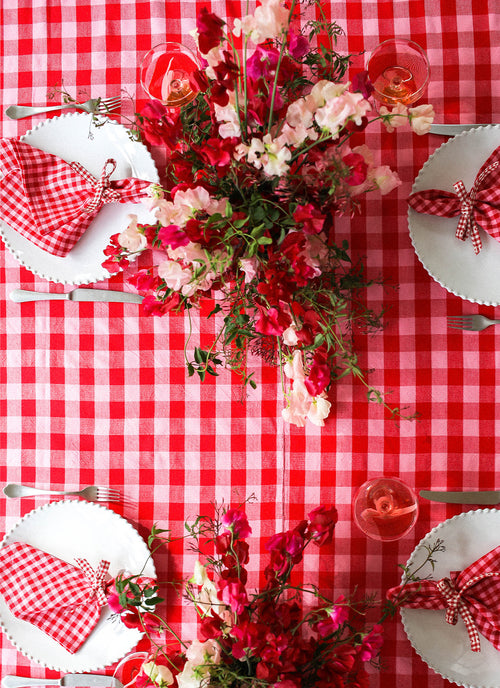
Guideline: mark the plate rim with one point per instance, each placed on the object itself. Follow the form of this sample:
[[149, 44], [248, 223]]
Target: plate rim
[[411, 214], [432, 533], [103, 274], [3, 542]]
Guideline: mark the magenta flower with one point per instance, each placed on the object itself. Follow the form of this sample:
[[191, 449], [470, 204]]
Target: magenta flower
[[318, 379], [321, 524], [234, 594], [312, 220], [372, 642], [270, 321], [236, 521], [173, 236], [299, 45]]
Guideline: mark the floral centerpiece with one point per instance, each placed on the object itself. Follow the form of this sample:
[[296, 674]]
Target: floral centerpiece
[[284, 635], [259, 166]]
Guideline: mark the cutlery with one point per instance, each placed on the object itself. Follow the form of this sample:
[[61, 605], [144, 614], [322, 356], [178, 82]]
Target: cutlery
[[93, 493], [473, 323], [95, 106], [22, 295], [487, 497], [453, 129], [86, 680]]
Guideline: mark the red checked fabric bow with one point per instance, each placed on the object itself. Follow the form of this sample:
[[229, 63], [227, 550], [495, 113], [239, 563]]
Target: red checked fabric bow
[[52, 202], [62, 600], [473, 594], [479, 207]]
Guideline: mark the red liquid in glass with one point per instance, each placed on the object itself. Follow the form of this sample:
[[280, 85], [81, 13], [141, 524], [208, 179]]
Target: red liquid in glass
[[181, 87]]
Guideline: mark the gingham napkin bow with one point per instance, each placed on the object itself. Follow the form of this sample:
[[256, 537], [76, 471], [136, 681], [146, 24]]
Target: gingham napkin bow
[[52, 202], [479, 207], [472, 594], [62, 600]]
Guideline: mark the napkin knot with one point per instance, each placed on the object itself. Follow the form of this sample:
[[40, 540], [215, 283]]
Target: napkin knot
[[456, 605], [96, 579], [103, 193], [479, 207]]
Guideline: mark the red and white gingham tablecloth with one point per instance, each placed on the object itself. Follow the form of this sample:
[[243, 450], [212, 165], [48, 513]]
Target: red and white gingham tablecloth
[[99, 394]]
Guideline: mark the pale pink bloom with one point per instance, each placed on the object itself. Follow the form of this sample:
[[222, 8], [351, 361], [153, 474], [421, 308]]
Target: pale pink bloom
[[269, 20], [154, 194], [206, 598], [298, 404], [294, 136], [249, 267], [364, 151], [294, 367], [174, 275], [131, 238], [301, 111], [203, 283], [255, 152], [275, 163], [385, 179], [394, 118], [319, 410], [203, 653], [359, 106], [190, 676], [334, 114], [290, 336], [169, 214], [158, 674], [191, 253], [324, 90], [229, 126], [421, 118], [213, 57]]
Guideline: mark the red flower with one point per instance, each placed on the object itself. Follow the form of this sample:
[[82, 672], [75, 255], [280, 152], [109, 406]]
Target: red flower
[[321, 524], [318, 379], [210, 32], [271, 321], [371, 644], [310, 217], [361, 82], [152, 306], [234, 594], [358, 168]]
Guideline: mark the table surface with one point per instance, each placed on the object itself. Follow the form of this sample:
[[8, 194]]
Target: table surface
[[98, 393]]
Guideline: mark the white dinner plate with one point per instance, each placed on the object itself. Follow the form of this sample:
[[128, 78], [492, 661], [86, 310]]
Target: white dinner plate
[[446, 648], [75, 138], [69, 529], [450, 261]]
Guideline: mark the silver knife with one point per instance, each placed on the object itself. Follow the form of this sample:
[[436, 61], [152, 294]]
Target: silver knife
[[486, 497], [86, 680], [22, 295], [454, 129]]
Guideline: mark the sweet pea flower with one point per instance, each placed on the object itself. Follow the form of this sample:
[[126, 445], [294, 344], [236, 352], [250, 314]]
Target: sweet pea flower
[[174, 275], [421, 118], [294, 366], [324, 90], [319, 410], [236, 522], [249, 267], [275, 163], [229, 123], [290, 336], [371, 644], [132, 239], [298, 404], [301, 112], [269, 20], [160, 675], [385, 179], [394, 118]]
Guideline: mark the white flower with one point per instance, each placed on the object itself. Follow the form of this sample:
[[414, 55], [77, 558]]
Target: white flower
[[131, 238], [421, 118], [278, 155], [324, 90], [159, 674], [319, 410], [290, 336], [268, 21], [255, 152]]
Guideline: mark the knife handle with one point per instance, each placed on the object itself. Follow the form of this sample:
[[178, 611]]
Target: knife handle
[[22, 682], [22, 295]]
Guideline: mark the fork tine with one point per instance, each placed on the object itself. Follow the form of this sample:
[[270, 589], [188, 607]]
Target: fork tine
[[105, 494], [109, 104]]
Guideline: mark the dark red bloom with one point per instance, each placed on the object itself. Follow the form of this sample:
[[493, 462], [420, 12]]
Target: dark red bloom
[[310, 218], [210, 32], [361, 82], [318, 379], [358, 168]]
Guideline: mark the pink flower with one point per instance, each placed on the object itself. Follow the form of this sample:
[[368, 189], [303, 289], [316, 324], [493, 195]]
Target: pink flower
[[371, 644], [385, 179], [234, 594], [394, 118], [336, 617], [321, 524], [421, 118], [132, 238], [299, 45], [173, 236], [271, 321], [236, 521], [357, 167], [362, 83], [318, 379], [310, 217]]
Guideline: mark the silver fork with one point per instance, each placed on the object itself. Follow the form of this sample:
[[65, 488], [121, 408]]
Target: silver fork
[[93, 493], [473, 323], [95, 106]]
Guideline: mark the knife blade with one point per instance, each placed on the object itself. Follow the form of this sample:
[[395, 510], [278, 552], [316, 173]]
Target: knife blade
[[86, 680], [107, 295], [454, 129], [485, 497]]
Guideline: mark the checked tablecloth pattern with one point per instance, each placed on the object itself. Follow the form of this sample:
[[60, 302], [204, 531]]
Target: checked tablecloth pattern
[[98, 393]]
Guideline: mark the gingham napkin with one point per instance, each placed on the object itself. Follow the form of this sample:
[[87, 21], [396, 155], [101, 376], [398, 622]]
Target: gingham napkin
[[473, 594], [52, 202], [479, 207], [62, 600]]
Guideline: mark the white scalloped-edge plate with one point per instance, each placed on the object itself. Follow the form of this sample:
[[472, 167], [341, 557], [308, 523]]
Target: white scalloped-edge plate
[[446, 648], [451, 262], [74, 138], [69, 529]]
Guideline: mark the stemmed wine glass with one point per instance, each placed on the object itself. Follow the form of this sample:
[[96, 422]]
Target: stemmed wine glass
[[399, 71], [167, 74], [385, 508]]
